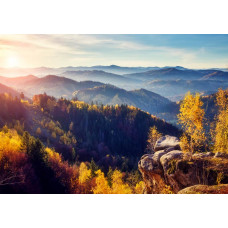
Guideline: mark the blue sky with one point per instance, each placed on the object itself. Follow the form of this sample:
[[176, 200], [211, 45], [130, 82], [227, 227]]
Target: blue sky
[[193, 51]]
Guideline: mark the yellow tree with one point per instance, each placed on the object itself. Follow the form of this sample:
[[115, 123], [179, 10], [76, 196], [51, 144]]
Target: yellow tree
[[84, 173], [221, 129], [191, 118], [140, 187], [102, 186], [153, 136], [118, 186]]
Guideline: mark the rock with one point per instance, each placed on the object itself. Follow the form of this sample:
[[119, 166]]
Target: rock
[[221, 155], [175, 154], [174, 169], [167, 142], [169, 166], [151, 162], [203, 155], [205, 189]]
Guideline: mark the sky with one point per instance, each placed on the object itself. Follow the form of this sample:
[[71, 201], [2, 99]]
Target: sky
[[192, 51]]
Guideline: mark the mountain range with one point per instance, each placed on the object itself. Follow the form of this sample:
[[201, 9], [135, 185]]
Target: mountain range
[[50, 84], [152, 89]]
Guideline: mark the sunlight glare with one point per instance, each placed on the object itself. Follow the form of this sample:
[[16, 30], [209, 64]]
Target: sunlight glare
[[12, 62]]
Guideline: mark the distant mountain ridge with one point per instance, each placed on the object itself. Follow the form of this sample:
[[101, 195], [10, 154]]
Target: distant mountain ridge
[[51, 84], [8, 90], [104, 77], [141, 98], [170, 82], [42, 71]]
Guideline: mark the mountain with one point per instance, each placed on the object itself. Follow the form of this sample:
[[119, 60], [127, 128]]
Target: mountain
[[120, 70], [141, 98], [166, 74], [52, 85], [104, 77], [17, 81], [217, 75], [179, 73], [6, 89], [176, 89], [42, 71]]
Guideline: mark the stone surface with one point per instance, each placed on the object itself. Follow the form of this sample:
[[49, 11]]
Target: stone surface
[[175, 154], [172, 168], [205, 189], [167, 142], [221, 155]]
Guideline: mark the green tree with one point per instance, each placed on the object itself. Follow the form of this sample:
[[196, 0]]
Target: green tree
[[93, 167]]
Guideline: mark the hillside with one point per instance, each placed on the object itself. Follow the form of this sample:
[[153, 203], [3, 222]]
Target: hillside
[[143, 99], [104, 77], [217, 75], [42, 71], [93, 131], [8, 90], [51, 84], [167, 74], [17, 81], [179, 73], [175, 89]]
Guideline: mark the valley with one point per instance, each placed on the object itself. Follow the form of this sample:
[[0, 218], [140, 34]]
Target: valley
[[90, 123]]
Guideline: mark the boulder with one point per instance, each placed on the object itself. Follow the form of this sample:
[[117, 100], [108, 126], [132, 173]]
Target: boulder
[[203, 155], [167, 142], [166, 158], [205, 189], [221, 155], [170, 168], [151, 162]]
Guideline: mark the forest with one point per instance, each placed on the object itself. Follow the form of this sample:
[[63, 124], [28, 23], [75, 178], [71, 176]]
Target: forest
[[51, 145]]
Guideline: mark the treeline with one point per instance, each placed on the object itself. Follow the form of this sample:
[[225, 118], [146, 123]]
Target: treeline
[[111, 135], [11, 109]]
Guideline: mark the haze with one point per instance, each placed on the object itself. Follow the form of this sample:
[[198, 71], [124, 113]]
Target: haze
[[192, 51]]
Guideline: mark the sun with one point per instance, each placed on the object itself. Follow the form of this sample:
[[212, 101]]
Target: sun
[[12, 61]]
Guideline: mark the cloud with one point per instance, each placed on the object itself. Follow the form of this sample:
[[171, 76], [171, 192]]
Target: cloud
[[95, 49]]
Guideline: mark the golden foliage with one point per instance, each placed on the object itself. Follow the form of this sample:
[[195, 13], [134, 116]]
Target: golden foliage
[[84, 173], [221, 130], [78, 104], [102, 186], [10, 142], [53, 155], [153, 136], [191, 118], [167, 190], [118, 187], [184, 143], [139, 188]]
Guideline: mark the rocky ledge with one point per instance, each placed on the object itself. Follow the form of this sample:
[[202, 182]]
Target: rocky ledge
[[170, 168]]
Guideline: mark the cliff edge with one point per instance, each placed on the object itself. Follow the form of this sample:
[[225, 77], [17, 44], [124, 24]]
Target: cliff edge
[[171, 169]]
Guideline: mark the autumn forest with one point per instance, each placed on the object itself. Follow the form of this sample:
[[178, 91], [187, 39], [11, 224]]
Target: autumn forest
[[51, 145]]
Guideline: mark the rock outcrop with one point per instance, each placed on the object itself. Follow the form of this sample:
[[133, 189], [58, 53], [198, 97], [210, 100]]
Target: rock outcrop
[[167, 142], [170, 168], [205, 189]]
